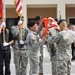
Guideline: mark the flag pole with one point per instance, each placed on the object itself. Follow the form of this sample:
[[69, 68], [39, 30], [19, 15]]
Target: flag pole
[[3, 18], [4, 5], [19, 8], [2, 10], [21, 26]]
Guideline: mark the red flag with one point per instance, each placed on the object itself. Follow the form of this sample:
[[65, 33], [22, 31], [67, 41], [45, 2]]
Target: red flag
[[54, 25], [1, 9], [49, 23], [46, 21], [19, 6]]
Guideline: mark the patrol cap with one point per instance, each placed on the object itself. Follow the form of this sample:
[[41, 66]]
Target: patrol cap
[[38, 17], [61, 21], [31, 23]]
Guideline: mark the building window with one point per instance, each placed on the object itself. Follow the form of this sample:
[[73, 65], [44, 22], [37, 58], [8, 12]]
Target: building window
[[71, 20], [11, 22], [31, 19]]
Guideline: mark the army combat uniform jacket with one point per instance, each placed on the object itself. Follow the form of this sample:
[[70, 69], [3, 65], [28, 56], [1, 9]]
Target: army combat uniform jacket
[[63, 40], [33, 45], [16, 33], [20, 55]]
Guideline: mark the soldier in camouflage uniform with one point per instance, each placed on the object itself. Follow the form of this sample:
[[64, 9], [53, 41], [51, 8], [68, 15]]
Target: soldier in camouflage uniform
[[40, 25], [63, 40], [52, 51], [72, 27], [20, 49], [33, 45], [52, 47]]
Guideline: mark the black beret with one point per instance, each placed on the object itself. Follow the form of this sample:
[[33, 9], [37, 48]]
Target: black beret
[[38, 17], [61, 21], [31, 23]]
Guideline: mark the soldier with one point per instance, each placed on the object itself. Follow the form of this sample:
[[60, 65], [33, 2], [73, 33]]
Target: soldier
[[33, 45], [52, 48], [39, 22], [63, 40], [5, 54], [52, 51], [20, 49], [72, 27]]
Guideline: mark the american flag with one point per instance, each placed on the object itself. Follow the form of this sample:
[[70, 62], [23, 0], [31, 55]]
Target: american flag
[[1, 8], [19, 6]]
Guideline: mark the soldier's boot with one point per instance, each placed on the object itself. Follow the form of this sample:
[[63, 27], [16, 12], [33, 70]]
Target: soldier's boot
[[40, 73]]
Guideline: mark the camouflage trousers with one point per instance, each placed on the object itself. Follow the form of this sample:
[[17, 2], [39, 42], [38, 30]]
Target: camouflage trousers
[[53, 63], [41, 60], [34, 64], [21, 61], [63, 67], [51, 51]]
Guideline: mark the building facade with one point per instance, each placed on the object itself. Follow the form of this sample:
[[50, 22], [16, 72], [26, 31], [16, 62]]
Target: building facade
[[46, 8]]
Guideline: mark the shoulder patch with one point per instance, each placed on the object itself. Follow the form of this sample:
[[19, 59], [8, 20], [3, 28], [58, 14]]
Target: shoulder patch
[[33, 38]]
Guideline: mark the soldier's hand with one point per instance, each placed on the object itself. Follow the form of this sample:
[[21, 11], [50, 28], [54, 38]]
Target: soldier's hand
[[20, 22], [43, 38], [48, 32], [5, 44], [21, 42], [3, 24]]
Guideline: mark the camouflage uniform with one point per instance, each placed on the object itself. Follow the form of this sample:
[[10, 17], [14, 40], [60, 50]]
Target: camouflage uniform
[[52, 51], [63, 40], [33, 46], [41, 56], [39, 32], [41, 60], [20, 55]]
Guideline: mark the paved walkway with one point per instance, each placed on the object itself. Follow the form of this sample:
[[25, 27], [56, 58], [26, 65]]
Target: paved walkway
[[46, 65]]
